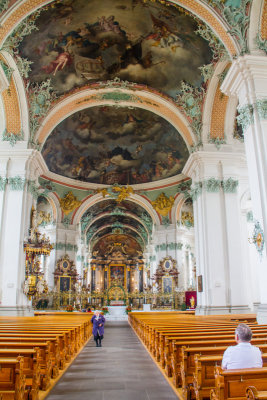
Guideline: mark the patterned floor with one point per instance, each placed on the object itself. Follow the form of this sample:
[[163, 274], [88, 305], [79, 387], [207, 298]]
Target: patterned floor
[[120, 370]]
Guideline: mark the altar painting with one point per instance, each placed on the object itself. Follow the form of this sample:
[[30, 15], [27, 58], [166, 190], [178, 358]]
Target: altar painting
[[117, 275], [64, 283], [167, 284]]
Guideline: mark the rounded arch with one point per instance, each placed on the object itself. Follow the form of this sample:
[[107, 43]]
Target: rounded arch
[[87, 98], [106, 214], [97, 198], [177, 206], [209, 100], [256, 25], [106, 226]]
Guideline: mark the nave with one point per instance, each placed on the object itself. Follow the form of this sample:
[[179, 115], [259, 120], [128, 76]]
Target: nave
[[121, 369]]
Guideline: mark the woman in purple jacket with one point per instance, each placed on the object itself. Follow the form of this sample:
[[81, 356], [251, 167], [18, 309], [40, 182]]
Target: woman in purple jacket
[[98, 322]]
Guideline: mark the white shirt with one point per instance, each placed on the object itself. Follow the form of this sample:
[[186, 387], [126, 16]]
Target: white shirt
[[243, 355]]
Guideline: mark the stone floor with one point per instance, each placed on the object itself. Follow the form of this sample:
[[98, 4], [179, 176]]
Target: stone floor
[[120, 370]]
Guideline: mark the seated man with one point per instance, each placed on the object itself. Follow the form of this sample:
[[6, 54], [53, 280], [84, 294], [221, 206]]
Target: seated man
[[243, 355]]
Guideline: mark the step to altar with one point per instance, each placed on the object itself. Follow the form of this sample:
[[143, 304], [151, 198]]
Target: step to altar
[[116, 313]]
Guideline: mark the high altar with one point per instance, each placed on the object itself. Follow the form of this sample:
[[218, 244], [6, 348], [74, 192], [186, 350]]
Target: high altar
[[117, 268]]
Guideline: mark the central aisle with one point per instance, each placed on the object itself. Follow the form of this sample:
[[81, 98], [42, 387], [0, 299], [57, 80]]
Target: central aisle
[[120, 370]]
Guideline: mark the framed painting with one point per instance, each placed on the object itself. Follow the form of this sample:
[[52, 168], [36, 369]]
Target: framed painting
[[167, 284], [65, 283]]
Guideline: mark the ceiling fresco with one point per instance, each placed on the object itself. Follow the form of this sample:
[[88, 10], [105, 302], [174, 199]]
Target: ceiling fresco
[[106, 243], [109, 145], [84, 41], [110, 205], [117, 221]]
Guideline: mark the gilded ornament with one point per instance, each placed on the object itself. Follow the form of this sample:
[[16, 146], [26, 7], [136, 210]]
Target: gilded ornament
[[163, 204], [69, 203], [187, 219]]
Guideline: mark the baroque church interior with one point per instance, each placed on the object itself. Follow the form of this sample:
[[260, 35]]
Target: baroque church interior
[[133, 154], [133, 180]]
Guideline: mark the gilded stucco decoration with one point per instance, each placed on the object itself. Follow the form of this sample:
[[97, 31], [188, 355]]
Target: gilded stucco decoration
[[163, 204], [69, 203], [118, 192]]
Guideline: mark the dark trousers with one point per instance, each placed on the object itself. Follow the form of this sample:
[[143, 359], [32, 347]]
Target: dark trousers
[[98, 339]]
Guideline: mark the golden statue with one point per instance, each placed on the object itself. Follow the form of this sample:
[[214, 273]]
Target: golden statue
[[69, 203], [163, 204]]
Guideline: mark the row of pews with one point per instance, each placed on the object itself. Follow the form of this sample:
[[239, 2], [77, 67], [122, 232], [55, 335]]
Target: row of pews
[[34, 351], [189, 349]]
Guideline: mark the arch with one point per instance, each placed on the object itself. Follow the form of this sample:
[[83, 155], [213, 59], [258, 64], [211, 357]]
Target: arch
[[257, 25], [106, 214], [97, 198], [108, 226], [177, 206], [87, 98]]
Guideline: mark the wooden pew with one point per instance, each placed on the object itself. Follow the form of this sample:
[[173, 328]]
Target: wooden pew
[[12, 379], [253, 394], [203, 377], [232, 384]]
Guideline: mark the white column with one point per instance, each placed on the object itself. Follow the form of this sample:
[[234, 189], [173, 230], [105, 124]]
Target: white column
[[217, 229], [17, 166], [247, 79]]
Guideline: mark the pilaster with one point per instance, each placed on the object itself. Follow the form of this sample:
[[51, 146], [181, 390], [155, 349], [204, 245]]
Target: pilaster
[[247, 80], [17, 168], [215, 191]]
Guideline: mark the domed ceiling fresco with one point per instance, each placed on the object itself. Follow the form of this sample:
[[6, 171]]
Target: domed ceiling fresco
[[85, 41], [110, 145]]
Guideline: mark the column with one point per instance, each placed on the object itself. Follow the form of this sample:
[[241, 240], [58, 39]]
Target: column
[[247, 79], [218, 239], [17, 167]]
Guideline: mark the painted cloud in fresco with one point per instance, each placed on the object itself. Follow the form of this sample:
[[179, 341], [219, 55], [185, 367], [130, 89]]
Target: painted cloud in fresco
[[84, 41], [109, 145]]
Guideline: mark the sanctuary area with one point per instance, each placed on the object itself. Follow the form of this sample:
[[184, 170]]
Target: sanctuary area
[[133, 156]]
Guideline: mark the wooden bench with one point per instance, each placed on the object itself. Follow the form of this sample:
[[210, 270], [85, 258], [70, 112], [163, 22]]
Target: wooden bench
[[12, 379], [232, 384], [203, 377], [253, 394]]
